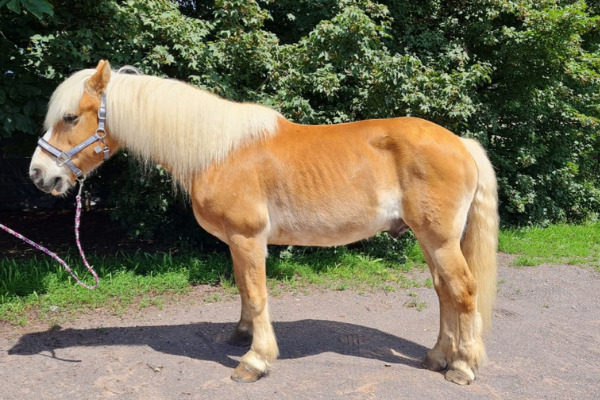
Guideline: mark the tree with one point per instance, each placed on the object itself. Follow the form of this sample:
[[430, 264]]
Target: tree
[[522, 76]]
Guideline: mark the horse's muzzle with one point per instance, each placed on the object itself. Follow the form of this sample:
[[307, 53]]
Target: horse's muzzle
[[56, 185]]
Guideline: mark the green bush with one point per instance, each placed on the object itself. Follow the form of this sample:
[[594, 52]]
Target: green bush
[[522, 76]]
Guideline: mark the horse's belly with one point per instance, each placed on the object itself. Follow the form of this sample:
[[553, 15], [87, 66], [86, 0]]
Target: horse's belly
[[340, 224], [328, 238]]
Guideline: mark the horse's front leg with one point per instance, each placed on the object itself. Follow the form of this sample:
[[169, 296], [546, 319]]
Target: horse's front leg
[[248, 254], [435, 359]]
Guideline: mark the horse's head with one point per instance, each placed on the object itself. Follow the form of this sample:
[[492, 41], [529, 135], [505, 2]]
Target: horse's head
[[76, 140]]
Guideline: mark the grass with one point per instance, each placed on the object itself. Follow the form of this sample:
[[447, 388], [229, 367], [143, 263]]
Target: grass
[[39, 288], [341, 269], [565, 244], [414, 302]]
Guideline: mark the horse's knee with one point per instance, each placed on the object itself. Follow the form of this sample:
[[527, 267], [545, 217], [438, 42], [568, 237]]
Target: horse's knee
[[256, 303]]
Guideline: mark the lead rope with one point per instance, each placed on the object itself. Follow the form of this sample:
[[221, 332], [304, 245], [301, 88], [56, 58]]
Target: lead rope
[[53, 255]]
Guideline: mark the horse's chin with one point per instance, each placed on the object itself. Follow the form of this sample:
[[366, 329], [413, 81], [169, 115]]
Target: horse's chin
[[58, 188], [60, 193], [63, 189]]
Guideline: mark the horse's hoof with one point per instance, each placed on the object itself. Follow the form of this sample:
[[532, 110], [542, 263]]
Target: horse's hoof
[[433, 365], [240, 339], [246, 374], [458, 377]]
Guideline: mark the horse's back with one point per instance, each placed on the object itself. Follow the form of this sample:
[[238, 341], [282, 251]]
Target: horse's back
[[332, 184]]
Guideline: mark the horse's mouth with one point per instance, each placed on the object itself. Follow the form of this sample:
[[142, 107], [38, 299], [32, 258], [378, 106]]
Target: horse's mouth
[[56, 186]]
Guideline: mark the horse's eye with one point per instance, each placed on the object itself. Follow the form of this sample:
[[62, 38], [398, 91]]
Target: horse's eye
[[70, 118]]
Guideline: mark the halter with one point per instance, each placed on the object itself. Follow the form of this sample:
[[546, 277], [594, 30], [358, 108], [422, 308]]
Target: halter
[[64, 158]]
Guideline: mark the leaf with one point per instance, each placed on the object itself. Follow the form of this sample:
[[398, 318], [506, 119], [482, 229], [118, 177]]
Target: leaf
[[29, 108], [14, 6], [155, 368], [38, 7]]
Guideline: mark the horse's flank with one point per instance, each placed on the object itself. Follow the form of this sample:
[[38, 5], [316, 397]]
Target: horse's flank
[[168, 121]]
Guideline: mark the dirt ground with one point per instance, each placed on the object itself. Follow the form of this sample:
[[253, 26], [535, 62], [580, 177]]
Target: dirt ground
[[545, 344]]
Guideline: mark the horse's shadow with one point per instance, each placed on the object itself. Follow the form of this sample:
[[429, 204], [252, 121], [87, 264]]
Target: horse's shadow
[[208, 341]]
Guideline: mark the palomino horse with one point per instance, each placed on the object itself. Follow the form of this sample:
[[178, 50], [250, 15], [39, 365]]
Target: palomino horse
[[255, 178]]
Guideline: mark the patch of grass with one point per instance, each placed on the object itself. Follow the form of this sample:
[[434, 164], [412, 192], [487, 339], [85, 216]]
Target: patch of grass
[[527, 261], [339, 269], [40, 287], [569, 244], [43, 285], [213, 298], [414, 302]]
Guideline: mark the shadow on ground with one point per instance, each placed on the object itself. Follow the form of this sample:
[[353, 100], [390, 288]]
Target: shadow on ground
[[208, 341]]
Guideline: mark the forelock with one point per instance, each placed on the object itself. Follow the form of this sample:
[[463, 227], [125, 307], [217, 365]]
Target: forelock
[[66, 97]]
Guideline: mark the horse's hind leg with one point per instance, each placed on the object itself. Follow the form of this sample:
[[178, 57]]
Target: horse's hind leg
[[249, 268], [242, 335], [459, 345]]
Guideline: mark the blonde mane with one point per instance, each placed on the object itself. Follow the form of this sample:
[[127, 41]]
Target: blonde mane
[[169, 122]]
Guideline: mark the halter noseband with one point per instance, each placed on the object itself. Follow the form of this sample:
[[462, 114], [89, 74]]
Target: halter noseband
[[64, 158]]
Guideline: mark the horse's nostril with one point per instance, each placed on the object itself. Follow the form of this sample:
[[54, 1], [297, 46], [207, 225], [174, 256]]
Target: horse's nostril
[[35, 174], [57, 183]]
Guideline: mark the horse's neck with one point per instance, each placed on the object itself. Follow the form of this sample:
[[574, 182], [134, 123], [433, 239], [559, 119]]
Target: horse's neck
[[186, 137]]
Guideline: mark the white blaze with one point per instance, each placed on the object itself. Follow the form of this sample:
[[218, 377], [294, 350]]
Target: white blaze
[[48, 164]]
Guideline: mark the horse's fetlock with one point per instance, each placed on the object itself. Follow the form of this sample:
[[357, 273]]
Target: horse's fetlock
[[434, 360]]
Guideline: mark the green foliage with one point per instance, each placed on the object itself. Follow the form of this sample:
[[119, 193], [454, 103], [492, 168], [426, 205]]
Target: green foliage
[[149, 207], [545, 102], [522, 76], [35, 7]]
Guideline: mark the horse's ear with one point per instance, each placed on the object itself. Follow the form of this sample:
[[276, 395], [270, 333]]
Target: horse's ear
[[98, 82]]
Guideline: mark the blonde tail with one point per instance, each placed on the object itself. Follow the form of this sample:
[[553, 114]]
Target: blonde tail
[[480, 238]]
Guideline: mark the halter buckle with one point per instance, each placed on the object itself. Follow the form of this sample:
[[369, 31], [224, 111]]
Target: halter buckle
[[62, 159], [102, 111]]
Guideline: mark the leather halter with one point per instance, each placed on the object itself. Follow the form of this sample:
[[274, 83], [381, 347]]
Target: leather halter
[[64, 158]]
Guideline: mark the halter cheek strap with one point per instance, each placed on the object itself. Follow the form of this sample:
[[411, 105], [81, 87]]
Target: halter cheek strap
[[64, 158]]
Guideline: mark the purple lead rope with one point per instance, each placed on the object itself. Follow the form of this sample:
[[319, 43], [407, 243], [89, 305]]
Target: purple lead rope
[[53, 255]]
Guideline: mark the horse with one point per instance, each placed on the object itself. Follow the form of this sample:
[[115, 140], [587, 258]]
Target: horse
[[255, 178]]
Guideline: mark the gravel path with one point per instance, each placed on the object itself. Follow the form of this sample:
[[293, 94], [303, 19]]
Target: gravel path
[[545, 344]]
